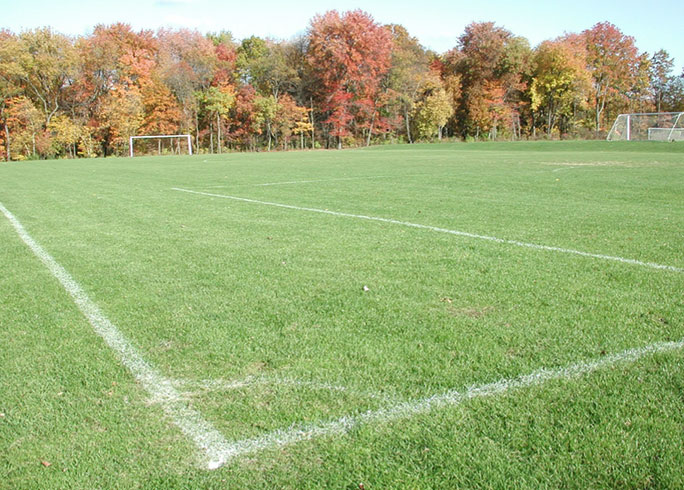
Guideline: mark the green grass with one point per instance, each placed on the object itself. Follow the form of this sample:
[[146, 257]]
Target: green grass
[[214, 289]]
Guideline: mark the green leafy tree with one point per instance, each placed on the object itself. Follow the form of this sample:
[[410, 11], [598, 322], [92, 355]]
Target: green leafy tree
[[409, 70], [217, 101], [660, 76]]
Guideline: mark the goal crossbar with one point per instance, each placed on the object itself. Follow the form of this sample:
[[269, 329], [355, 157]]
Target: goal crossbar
[[157, 136]]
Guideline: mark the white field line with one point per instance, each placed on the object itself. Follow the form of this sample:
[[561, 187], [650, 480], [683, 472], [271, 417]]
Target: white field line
[[161, 389], [443, 230], [307, 181], [298, 433], [228, 385]]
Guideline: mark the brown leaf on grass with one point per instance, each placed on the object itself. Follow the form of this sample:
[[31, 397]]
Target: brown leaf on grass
[[46, 463]]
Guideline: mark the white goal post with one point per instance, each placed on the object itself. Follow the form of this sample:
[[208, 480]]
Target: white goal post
[[153, 136], [653, 126]]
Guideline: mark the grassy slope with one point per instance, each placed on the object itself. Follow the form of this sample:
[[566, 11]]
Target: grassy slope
[[209, 288]]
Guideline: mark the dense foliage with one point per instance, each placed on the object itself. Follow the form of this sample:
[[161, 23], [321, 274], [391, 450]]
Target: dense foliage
[[348, 81]]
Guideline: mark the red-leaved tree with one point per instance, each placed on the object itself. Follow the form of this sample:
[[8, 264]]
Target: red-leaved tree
[[349, 55]]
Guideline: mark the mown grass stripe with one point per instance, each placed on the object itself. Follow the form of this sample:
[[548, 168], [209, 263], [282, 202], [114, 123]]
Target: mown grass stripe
[[443, 230], [160, 388]]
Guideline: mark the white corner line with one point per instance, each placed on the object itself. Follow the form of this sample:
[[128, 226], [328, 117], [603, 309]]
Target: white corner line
[[443, 230], [160, 388], [299, 433]]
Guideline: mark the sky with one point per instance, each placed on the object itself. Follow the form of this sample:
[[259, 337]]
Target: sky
[[436, 23]]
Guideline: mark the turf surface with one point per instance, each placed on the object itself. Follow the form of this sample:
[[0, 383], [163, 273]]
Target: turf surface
[[269, 317]]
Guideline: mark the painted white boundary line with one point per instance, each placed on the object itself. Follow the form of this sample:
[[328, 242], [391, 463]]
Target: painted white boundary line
[[161, 389], [443, 230], [298, 433]]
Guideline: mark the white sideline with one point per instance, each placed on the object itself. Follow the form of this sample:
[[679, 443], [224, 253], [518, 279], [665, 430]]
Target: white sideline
[[443, 230], [298, 433], [161, 389]]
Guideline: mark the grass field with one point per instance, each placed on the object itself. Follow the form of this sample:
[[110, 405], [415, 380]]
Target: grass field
[[456, 315]]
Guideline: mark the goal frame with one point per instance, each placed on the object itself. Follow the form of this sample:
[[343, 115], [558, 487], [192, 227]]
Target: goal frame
[[678, 118], [155, 136]]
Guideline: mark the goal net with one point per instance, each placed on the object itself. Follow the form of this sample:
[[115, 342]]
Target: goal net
[[657, 126], [160, 144]]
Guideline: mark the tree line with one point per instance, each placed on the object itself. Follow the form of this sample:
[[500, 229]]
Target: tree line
[[348, 81]]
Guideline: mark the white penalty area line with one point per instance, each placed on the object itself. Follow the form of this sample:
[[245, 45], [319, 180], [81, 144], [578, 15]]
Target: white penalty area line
[[160, 388], [299, 433], [443, 230]]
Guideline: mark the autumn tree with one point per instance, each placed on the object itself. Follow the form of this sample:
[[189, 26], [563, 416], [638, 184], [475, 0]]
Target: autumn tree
[[349, 54], [187, 65], [161, 114], [121, 114], [491, 66], [290, 119], [243, 123], [48, 62], [408, 72], [10, 73], [613, 60], [561, 81], [65, 135], [432, 109], [25, 121], [115, 62]]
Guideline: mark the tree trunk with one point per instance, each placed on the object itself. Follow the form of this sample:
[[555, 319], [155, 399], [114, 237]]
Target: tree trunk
[[370, 130], [268, 133], [600, 105], [408, 125], [218, 131], [211, 138], [7, 143], [196, 130], [339, 142], [313, 138]]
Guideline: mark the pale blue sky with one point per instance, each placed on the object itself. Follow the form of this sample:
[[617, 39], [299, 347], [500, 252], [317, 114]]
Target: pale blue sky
[[435, 23]]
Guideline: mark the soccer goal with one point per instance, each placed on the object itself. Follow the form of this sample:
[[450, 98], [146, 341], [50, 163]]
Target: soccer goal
[[654, 126], [176, 143]]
